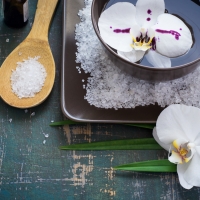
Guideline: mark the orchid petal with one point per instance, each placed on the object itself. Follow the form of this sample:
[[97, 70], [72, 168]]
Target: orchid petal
[[141, 48], [173, 37], [179, 142], [192, 152], [192, 173], [135, 32], [175, 158], [158, 60], [151, 32], [148, 11], [197, 148], [178, 122], [197, 139], [163, 145], [181, 170], [132, 56], [115, 23]]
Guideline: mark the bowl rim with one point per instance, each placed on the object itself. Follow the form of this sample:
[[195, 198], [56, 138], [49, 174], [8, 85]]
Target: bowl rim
[[95, 26]]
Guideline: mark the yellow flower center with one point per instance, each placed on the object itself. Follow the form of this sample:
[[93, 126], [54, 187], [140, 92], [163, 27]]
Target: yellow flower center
[[183, 152], [143, 42]]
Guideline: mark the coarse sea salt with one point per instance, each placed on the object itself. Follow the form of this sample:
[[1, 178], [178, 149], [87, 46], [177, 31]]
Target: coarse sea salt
[[28, 78], [109, 87]]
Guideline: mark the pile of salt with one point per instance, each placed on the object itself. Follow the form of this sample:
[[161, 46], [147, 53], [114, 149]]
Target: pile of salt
[[28, 78]]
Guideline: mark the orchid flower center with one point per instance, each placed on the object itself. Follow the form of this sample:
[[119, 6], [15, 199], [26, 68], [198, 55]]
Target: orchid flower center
[[182, 152], [143, 41]]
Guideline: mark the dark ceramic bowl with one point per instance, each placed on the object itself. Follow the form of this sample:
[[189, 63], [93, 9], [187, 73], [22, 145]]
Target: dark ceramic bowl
[[189, 12]]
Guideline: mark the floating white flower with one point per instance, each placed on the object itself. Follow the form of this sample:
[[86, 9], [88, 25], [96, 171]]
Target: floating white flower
[[144, 28], [178, 131]]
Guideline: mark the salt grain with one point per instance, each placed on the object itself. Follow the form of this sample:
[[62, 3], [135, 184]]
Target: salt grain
[[28, 78], [7, 40], [44, 142], [109, 87], [10, 120], [32, 114]]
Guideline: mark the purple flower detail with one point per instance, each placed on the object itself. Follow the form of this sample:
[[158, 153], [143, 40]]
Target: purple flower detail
[[148, 19], [153, 44], [149, 11], [127, 30], [175, 33]]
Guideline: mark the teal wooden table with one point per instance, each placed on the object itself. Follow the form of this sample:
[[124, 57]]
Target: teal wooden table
[[32, 166]]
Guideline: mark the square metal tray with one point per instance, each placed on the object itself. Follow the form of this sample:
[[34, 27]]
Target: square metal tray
[[73, 104]]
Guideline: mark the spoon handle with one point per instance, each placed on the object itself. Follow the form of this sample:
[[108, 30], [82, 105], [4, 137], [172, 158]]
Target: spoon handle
[[43, 16]]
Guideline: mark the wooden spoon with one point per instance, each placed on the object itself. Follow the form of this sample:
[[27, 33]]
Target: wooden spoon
[[36, 44]]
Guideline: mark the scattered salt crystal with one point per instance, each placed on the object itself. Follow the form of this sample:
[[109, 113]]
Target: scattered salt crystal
[[46, 135], [32, 114], [26, 111], [83, 80], [19, 53], [52, 121], [10, 120], [28, 78], [109, 87], [44, 142], [7, 40]]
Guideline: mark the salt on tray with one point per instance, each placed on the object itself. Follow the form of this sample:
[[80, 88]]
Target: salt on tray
[[28, 78], [109, 87]]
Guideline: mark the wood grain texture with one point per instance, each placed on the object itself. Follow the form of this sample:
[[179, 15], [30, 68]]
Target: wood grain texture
[[35, 44], [32, 170]]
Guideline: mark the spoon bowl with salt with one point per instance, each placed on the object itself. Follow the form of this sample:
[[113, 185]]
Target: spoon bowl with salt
[[35, 46]]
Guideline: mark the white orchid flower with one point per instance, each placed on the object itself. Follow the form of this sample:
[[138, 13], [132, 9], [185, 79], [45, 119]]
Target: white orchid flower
[[178, 131], [145, 28]]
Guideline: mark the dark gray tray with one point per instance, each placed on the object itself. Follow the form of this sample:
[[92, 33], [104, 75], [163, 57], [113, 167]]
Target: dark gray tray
[[73, 104]]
